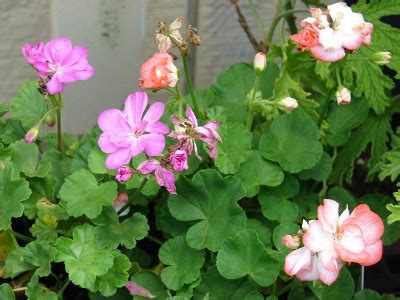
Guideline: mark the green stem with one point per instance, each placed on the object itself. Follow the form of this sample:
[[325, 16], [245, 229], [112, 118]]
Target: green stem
[[154, 239], [250, 115], [135, 194], [180, 99], [290, 18], [324, 108], [61, 291], [59, 132], [338, 75], [282, 33], [189, 84], [22, 237], [258, 20], [284, 289]]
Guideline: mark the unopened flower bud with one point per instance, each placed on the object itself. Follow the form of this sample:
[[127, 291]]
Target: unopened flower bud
[[50, 120], [31, 135], [291, 241], [178, 161], [343, 96], [124, 173], [381, 58], [290, 103], [260, 62]]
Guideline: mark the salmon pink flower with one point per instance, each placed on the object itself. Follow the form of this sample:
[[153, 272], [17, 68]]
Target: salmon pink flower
[[187, 131], [33, 53], [178, 160], [158, 72], [354, 237], [62, 63], [307, 38], [164, 177], [128, 133], [124, 173]]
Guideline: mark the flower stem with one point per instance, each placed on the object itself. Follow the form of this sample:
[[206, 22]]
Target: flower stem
[[59, 132], [250, 115], [190, 84], [135, 194], [258, 20], [154, 239], [61, 291], [362, 278], [22, 237], [21, 289]]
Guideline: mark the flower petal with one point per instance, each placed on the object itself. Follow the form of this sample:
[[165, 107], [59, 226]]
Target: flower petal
[[311, 273], [327, 55], [317, 238], [54, 86], [326, 276], [297, 260], [375, 253], [135, 105], [154, 144], [157, 127], [148, 166], [112, 120], [191, 116], [328, 215], [118, 158], [154, 113]]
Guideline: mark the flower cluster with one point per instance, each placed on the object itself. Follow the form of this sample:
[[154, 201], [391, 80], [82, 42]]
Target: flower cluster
[[128, 133], [328, 33], [58, 63], [333, 240]]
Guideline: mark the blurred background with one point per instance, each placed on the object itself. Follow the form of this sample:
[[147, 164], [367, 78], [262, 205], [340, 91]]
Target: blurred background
[[119, 35]]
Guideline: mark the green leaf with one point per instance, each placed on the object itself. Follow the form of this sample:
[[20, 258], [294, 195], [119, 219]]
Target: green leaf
[[36, 292], [367, 295], [390, 165], [234, 149], [36, 255], [86, 144], [211, 200], [256, 171], [110, 232], [215, 287], [344, 197], [274, 203], [258, 296], [12, 193], [342, 288], [263, 232], [42, 188], [244, 254], [167, 223], [84, 259], [293, 141], [60, 165], [151, 282], [96, 161], [377, 203], [183, 262], [343, 118], [6, 292], [45, 229], [83, 196], [280, 231], [204, 98], [232, 86], [25, 158], [115, 277], [320, 172], [375, 132], [12, 131], [29, 106]]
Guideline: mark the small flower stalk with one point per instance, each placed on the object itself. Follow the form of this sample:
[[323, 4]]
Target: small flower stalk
[[343, 95]]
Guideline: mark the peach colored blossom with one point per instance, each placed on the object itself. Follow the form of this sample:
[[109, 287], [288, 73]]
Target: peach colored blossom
[[158, 72]]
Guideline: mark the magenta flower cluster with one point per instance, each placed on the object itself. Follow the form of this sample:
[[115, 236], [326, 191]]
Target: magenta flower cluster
[[132, 131], [58, 63]]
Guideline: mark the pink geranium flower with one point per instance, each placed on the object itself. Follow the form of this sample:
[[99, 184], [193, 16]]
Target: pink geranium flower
[[60, 63], [187, 131], [124, 173], [33, 53], [164, 177], [158, 72], [128, 133], [354, 237], [179, 160]]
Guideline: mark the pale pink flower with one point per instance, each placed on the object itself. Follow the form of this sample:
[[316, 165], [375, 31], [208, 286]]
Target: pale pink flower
[[128, 133], [289, 103], [31, 135], [120, 202], [137, 290], [354, 237], [260, 62], [124, 173], [164, 177], [179, 160], [62, 64], [33, 53], [158, 72], [187, 131], [343, 96]]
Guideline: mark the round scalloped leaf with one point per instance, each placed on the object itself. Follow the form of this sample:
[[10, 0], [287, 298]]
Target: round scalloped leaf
[[211, 200], [36, 291], [83, 196], [244, 254], [150, 282], [293, 141], [36, 255], [12, 193], [110, 232], [218, 287], [256, 171], [320, 171], [183, 262], [6, 292], [84, 259], [234, 149]]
